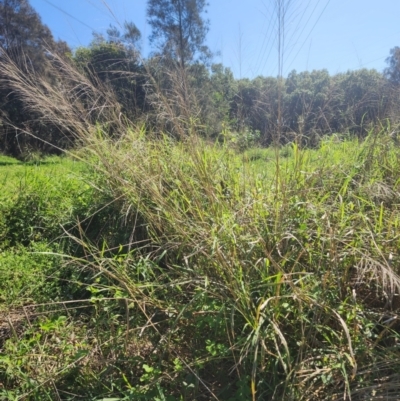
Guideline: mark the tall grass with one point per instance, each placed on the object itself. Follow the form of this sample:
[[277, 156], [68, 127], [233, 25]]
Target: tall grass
[[241, 278]]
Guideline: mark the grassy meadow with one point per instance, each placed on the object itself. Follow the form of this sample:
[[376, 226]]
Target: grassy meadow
[[146, 269]]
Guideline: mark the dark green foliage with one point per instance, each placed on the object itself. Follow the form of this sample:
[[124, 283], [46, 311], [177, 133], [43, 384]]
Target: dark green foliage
[[393, 71], [307, 102], [313, 104], [361, 97], [22, 34], [116, 65], [223, 89], [28, 43]]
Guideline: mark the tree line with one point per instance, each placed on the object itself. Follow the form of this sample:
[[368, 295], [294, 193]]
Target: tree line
[[178, 88]]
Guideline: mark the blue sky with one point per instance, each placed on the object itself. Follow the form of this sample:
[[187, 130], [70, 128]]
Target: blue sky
[[338, 35]]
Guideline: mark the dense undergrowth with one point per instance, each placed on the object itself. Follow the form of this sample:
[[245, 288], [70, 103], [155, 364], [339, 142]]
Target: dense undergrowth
[[164, 270]]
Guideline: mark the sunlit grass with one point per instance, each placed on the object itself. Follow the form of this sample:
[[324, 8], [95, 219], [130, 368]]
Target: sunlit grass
[[15, 174], [235, 270]]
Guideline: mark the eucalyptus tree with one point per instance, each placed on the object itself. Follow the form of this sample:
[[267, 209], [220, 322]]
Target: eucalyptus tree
[[22, 32], [392, 72], [179, 29], [129, 37], [178, 35]]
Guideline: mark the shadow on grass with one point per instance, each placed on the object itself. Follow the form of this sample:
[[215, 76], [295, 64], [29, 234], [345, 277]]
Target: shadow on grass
[[28, 163]]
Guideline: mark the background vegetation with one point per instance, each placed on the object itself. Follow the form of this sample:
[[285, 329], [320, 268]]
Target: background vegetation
[[180, 69]]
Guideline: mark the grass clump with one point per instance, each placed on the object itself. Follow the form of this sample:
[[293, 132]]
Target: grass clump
[[240, 280], [200, 272]]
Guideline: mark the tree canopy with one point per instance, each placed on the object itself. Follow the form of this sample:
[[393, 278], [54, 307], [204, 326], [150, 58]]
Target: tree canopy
[[23, 33], [179, 28], [392, 72], [115, 61]]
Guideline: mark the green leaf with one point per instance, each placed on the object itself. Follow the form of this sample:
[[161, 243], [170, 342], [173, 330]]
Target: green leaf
[[147, 368]]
